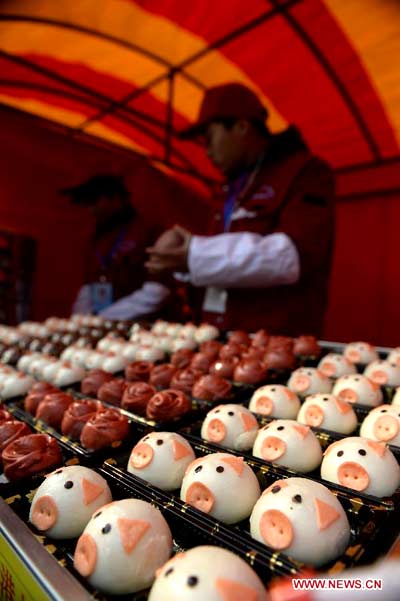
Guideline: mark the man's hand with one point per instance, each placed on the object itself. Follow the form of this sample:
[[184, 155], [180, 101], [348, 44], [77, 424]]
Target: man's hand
[[170, 252]]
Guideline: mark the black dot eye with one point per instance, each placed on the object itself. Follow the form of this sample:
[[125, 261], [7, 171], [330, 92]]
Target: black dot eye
[[273, 389], [383, 410], [106, 529], [97, 515], [192, 581], [219, 469], [146, 438], [309, 373], [356, 379], [160, 442], [339, 453], [275, 489], [280, 427], [217, 410], [198, 469], [169, 571], [58, 472], [325, 398], [231, 413], [68, 484], [362, 452], [297, 499]]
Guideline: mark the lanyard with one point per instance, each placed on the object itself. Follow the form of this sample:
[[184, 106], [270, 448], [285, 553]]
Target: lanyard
[[106, 260]]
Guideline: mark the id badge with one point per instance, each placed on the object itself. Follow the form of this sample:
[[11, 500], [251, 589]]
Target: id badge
[[101, 295], [215, 300]]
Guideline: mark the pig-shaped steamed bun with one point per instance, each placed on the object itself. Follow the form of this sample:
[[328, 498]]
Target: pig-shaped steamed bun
[[357, 388], [231, 426], [328, 412], [207, 574], [394, 356], [382, 423], [303, 519], [335, 365], [221, 485], [309, 380], [64, 503], [363, 465], [383, 373], [275, 400], [288, 443], [360, 352], [161, 458], [122, 546]]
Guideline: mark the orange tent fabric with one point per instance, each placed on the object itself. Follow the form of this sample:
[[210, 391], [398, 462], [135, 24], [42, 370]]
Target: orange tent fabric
[[132, 72]]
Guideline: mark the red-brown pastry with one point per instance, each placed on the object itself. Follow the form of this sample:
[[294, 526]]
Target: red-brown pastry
[[184, 379], [211, 348], [94, 379], [279, 359], [76, 416], [232, 349], [5, 416], [167, 405], [212, 388], [249, 371], [201, 362], [306, 346], [136, 397], [260, 339], [103, 428], [254, 352], [161, 375], [280, 342], [37, 394], [224, 367], [182, 358], [30, 455], [11, 430], [240, 337], [112, 391], [138, 371], [51, 410]]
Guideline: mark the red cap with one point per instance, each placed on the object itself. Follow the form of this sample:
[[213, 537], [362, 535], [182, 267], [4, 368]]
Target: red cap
[[230, 100]]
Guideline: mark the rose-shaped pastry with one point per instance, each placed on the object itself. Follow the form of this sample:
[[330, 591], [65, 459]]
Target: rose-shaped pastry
[[280, 342], [136, 397], [224, 367], [5, 416], [51, 410], [260, 339], [30, 455], [232, 349], [306, 346], [279, 359], [103, 428], [138, 371], [36, 395], [182, 358], [94, 379], [184, 379], [11, 430], [212, 388], [254, 352], [211, 348], [201, 362], [112, 391], [161, 375], [239, 336], [167, 404], [76, 416], [249, 371]]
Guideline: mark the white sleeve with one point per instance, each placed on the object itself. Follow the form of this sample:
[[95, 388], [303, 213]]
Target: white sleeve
[[147, 299], [83, 301], [243, 260]]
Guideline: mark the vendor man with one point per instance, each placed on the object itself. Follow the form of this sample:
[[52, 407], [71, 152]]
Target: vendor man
[[267, 259], [114, 261]]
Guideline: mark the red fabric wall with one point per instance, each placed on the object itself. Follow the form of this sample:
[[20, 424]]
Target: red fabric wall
[[37, 162]]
